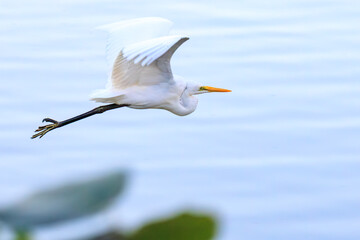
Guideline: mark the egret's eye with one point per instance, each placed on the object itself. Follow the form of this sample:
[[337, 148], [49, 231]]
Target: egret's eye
[[202, 89]]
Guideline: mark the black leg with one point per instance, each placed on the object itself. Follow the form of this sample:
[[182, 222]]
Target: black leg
[[42, 130]]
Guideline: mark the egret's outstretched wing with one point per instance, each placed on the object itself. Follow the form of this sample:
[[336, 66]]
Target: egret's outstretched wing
[[139, 53], [131, 31], [146, 62]]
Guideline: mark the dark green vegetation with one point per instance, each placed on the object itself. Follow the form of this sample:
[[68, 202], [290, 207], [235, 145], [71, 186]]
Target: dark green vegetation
[[184, 226]]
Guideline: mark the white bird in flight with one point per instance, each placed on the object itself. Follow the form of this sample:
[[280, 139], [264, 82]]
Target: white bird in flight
[[139, 52]]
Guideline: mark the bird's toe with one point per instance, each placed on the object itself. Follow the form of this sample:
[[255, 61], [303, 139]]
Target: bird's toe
[[49, 120]]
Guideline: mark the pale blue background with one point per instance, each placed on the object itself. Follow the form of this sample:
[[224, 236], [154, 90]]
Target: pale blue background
[[278, 158]]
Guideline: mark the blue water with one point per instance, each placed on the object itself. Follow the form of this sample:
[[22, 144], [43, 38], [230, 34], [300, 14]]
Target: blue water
[[278, 158]]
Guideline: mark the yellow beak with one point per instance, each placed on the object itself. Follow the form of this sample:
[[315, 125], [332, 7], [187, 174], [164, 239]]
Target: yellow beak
[[213, 89]]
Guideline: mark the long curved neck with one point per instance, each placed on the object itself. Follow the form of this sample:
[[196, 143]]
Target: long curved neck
[[187, 104]]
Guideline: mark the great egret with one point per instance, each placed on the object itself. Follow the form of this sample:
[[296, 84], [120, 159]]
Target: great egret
[[140, 76]]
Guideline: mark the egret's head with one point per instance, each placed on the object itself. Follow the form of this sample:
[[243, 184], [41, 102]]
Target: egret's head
[[195, 88]]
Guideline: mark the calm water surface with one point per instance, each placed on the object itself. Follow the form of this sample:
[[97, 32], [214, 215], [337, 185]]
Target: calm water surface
[[278, 158]]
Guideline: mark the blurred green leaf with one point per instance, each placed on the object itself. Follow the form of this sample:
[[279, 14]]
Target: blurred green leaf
[[22, 235], [185, 226], [67, 202]]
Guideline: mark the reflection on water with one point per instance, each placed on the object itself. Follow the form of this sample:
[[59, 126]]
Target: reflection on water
[[277, 158]]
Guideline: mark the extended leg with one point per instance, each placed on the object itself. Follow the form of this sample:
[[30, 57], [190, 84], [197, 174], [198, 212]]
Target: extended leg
[[42, 130]]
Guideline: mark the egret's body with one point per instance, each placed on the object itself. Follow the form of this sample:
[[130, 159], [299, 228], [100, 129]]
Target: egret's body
[[169, 96], [139, 53]]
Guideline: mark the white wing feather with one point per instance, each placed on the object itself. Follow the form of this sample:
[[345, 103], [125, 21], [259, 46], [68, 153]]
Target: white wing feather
[[131, 31], [145, 63], [139, 53]]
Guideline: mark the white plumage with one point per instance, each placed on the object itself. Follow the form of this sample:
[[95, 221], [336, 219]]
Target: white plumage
[[139, 53]]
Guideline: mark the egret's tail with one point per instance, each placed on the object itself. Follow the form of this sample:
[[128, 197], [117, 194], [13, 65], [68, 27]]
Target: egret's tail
[[107, 96]]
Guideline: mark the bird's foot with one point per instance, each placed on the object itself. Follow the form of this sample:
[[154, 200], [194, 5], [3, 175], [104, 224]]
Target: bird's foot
[[42, 130]]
